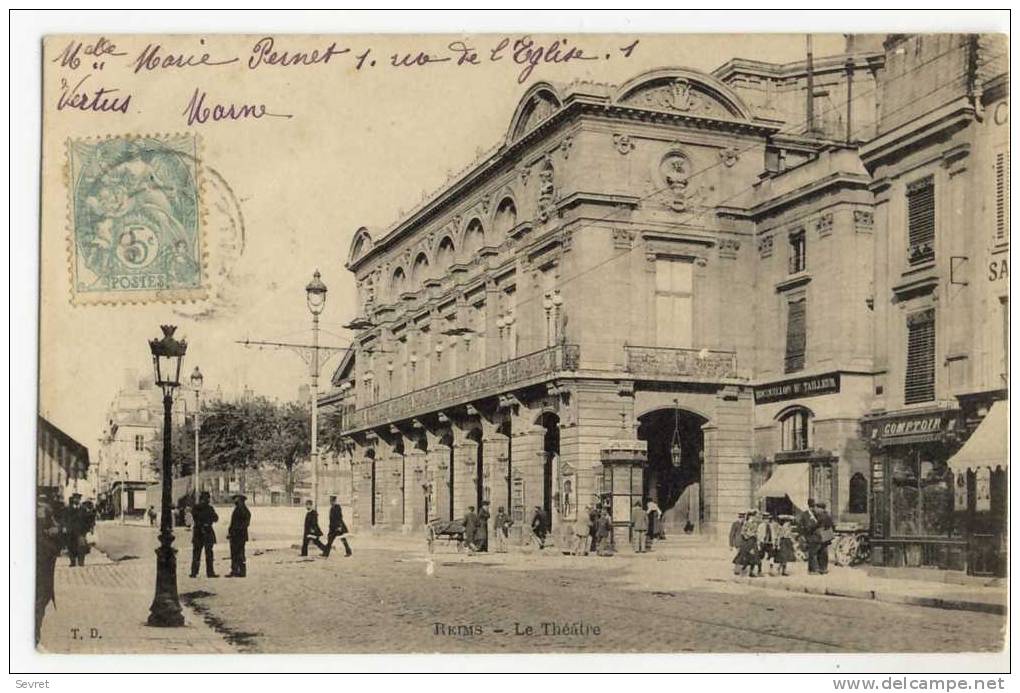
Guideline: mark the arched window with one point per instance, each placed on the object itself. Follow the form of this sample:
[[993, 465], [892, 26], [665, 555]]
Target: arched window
[[420, 270], [445, 255], [795, 425], [474, 238], [399, 283], [506, 217], [858, 494]]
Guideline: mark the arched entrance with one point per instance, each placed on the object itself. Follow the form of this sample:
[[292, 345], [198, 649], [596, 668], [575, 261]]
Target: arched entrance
[[676, 489], [550, 456]]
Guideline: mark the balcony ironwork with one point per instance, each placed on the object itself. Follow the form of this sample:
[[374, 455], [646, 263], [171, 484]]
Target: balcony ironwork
[[524, 370], [709, 364]]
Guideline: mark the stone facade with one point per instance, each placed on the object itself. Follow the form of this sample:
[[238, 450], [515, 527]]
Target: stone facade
[[680, 259]]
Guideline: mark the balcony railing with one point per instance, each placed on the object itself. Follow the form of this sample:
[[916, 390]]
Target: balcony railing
[[486, 382], [697, 363]]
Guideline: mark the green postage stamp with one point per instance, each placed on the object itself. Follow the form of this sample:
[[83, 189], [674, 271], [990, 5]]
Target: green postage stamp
[[136, 219]]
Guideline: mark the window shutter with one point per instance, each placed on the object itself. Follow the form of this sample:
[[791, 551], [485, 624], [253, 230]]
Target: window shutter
[[920, 378], [796, 335], [1002, 196], [921, 220]]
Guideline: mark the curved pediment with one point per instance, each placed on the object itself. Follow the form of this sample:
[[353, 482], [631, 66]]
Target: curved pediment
[[360, 244], [679, 90], [537, 104]]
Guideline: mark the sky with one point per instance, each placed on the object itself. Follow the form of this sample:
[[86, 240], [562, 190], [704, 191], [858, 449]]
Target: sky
[[359, 149]]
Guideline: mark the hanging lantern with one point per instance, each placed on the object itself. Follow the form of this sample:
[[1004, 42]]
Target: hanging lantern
[[675, 449]]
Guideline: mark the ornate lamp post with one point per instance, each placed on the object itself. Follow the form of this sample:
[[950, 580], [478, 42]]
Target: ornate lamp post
[[316, 295], [167, 355], [196, 380]]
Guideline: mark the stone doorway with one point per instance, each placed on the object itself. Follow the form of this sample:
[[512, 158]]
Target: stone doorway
[[676, 490]]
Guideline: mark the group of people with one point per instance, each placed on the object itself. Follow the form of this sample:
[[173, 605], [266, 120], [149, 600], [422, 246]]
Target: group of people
[[763, 537], [337, 529], [59, 527], [203, 536]]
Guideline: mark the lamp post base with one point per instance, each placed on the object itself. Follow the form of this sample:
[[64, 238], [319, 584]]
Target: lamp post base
[[166, 611]]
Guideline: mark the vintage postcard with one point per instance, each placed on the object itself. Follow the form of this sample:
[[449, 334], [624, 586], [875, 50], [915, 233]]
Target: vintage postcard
[[524, 343]]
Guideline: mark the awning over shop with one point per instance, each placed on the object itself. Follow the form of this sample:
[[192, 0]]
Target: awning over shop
[[986, 447], [790, 480]]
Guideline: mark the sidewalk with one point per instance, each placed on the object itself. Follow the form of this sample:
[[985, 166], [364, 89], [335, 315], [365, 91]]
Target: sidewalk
[[687, 562], [855, 583], [101, 608]]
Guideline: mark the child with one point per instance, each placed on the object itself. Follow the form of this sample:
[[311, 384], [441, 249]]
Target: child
[[784, 543]]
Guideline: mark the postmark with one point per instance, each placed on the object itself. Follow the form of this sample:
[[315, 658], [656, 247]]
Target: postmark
[[136, 219]]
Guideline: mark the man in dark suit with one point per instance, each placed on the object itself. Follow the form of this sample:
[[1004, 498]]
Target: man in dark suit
[[826, 526], [238, 535], [312, 530], [482, 531], [203, 537], [807, 523], [76, 527], [470, 527], [337, 527]]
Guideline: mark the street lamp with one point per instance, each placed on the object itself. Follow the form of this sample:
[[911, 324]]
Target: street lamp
[[316, 295], [167, 355], [196, 380]]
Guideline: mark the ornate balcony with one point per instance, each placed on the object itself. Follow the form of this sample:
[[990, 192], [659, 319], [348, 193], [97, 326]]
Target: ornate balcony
[[697, 363], [525, 370]]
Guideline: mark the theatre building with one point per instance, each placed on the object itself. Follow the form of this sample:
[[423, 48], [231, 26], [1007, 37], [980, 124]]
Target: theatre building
[[663, 289]]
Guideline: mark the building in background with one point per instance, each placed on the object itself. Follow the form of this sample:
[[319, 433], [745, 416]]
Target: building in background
[[130, 442], [63, 463], [742, 271]]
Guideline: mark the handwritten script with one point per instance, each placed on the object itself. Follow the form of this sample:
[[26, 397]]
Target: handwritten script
[[83, 65]]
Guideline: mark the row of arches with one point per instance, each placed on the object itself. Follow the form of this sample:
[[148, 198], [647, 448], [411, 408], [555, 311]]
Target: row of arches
[[449, 251]]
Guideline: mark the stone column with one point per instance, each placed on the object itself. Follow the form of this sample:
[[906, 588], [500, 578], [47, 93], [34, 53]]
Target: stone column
[[361, 499], [437, 460], [495, 457], [414, 495], [528, 461], [465, 457]]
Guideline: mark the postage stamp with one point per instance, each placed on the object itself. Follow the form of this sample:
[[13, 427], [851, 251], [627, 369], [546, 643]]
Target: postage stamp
[[135, 219]]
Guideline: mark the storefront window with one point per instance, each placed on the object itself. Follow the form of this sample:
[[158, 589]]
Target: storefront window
[[921, 495]]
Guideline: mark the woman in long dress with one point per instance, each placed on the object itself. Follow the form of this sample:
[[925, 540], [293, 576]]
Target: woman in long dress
[[748, 556], [785, 552]]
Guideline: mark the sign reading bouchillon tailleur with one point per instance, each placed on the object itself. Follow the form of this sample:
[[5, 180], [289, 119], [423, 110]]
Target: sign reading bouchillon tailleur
[[824, 384]]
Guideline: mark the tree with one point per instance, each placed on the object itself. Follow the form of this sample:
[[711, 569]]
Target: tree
[[288, 440], [232, 431]]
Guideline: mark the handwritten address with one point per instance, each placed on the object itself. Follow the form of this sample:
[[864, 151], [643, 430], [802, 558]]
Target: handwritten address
[[83, 90]]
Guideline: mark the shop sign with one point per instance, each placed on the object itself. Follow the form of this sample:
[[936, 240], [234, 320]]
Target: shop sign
[[801, 387], [910, 428]]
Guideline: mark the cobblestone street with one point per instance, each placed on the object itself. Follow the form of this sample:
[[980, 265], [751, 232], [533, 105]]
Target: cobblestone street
[[392, 596], [381, 600]]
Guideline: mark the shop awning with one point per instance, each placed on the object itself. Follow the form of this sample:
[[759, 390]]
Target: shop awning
[[790, 480], [986, 447]]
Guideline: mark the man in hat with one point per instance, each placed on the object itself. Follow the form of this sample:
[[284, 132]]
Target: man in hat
[[203, 536], [539, 525], [337, 527], [76, 527], [735, 528], [470, 527], [47, 549], [826, 528], [238, 536], [807, 523], [312, 530], [482, 531]]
